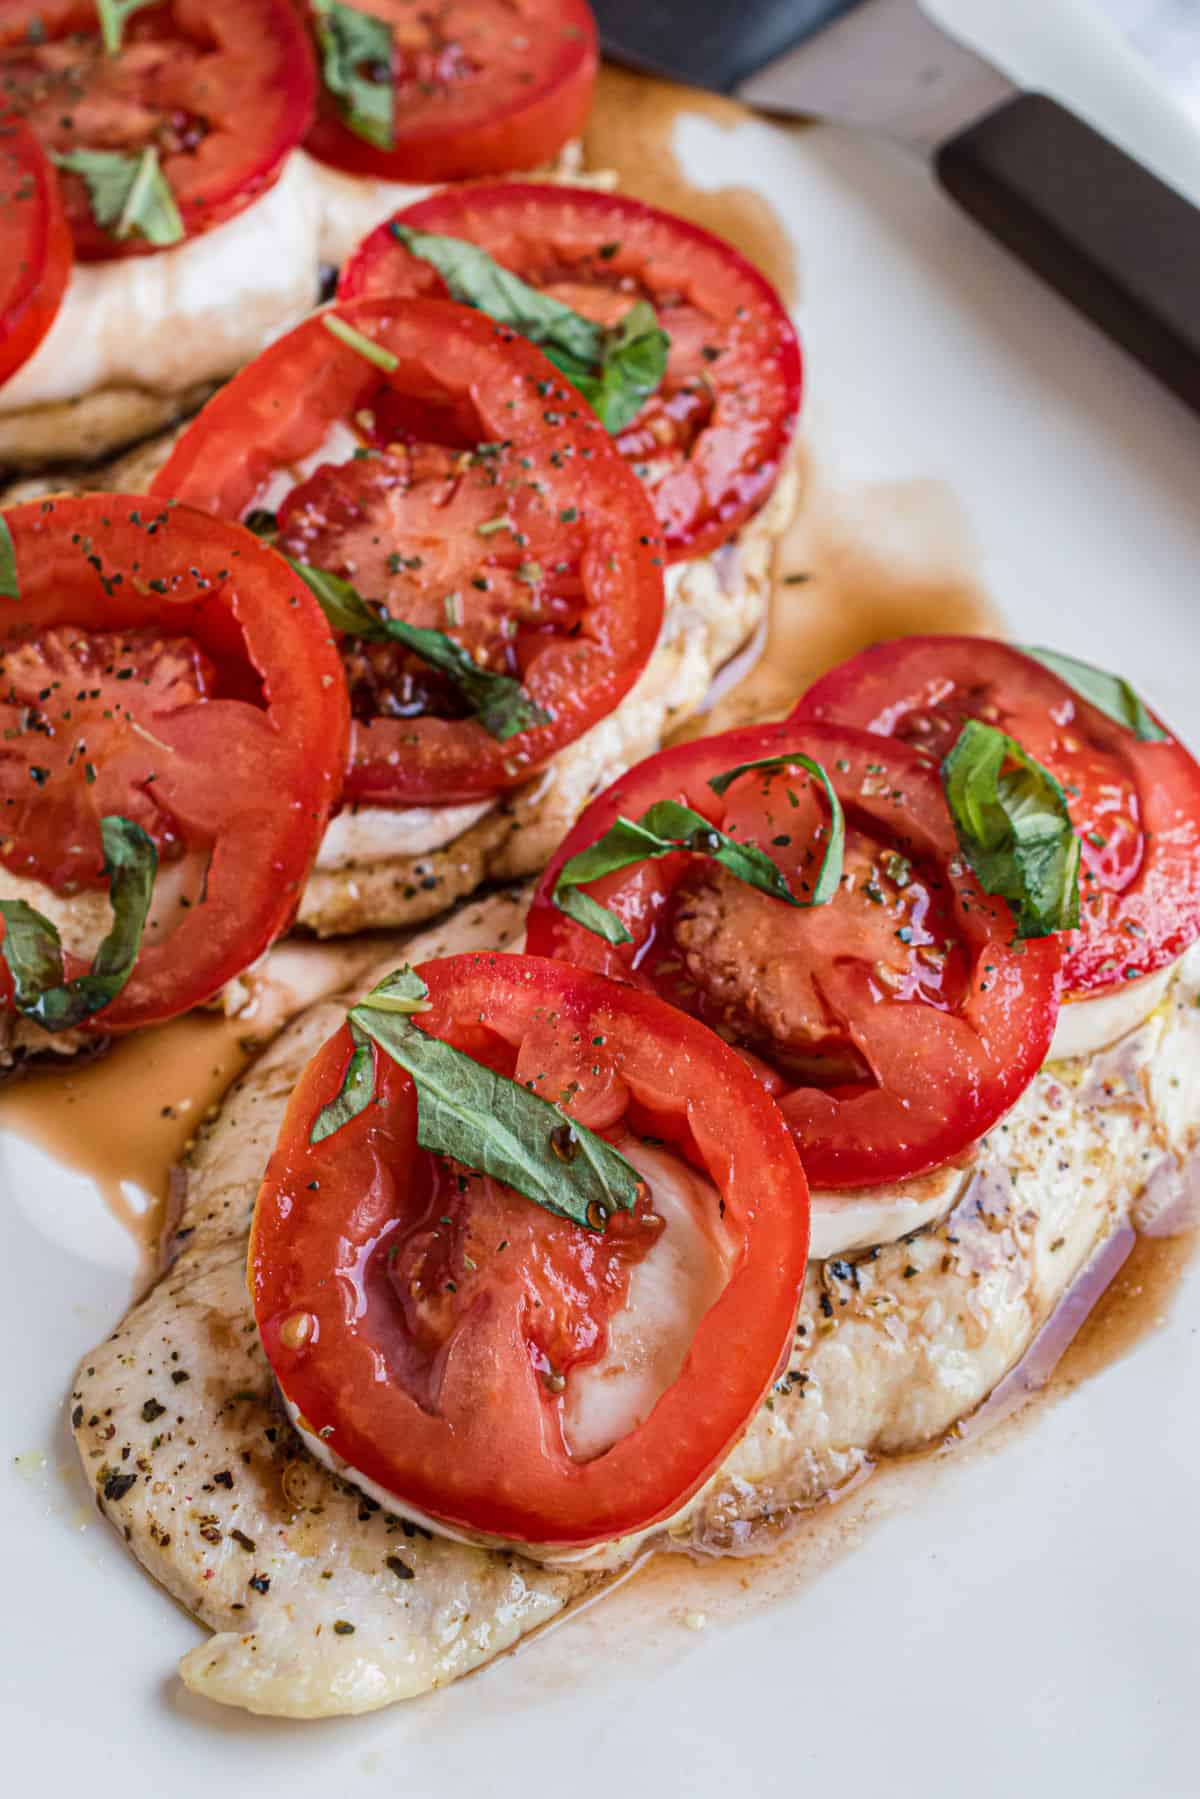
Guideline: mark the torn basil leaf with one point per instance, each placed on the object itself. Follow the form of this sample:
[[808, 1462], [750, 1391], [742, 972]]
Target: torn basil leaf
[[616, 370], [364, 346], [829, 875], [32, 947], [1110, 694], [479, 1118], [1014, 828], [500, 704], [356, 67], [355, 1094], [666, 828], [129, 195], [113, 14], [9, 589]]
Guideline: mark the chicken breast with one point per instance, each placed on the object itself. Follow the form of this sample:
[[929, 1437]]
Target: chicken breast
[[321, 1602]]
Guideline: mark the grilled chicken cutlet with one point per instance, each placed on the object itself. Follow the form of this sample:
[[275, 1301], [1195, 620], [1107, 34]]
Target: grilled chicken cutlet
[[320, 1601]]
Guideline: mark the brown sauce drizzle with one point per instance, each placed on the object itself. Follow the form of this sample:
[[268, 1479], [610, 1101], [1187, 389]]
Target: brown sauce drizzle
[[879, 562], [632, 130]]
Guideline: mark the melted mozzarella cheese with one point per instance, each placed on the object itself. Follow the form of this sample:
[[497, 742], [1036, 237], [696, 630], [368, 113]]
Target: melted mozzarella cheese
[[337, 446], [862, 1217], [1087, 1025], [349, 206], [377, 833], [189, 314], [669, 1292]]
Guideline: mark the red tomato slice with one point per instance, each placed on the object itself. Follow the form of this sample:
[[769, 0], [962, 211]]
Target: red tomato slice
[[224, 90], [430, 1326], [710, 442], [480, 87], [166, 667], [1136, 806], [35, 246], [894, 1024], [484, 501]]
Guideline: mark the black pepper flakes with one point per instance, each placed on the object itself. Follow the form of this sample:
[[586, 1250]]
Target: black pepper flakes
[[400, 1568]]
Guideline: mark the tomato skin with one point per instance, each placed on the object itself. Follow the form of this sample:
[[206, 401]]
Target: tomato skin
[[734, 362], [278, 410], [225, 89], [35, 246], [250, 775], [489, 1457], [517, 118], [1135, 805], [938, 1074]]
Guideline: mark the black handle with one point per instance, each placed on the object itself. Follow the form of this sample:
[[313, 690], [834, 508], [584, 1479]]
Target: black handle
[[1117, 242]]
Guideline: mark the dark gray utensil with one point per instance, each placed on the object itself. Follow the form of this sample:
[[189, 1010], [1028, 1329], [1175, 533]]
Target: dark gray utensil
[[1116, 241]]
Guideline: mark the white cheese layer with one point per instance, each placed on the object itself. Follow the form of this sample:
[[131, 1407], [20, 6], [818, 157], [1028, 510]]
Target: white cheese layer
[[377, 833], [1087, 1025], [669, 1292], [348, 206], [862, 1217], [185, 315]]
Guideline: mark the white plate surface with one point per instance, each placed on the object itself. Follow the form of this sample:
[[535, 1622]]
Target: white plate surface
[[1030, 1624]]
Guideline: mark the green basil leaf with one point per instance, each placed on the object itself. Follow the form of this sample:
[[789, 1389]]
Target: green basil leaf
[[501, 704], [1110, 694], [365, 347], [33, 950], [486, 1121], [615, 370], [666, 828], [129, 194], [355, 47], [632, 364], [113, 14], [1014, 828], [9, 588], [829, 875], [355, 1094]]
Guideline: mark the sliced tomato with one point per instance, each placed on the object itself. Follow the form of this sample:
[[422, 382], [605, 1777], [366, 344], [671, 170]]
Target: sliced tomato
[[431, 1327], [166, 667], [479, 87], [894, 1024], [710, 442], [480, 498], [1135, 806], [35, 246], [223, 90]]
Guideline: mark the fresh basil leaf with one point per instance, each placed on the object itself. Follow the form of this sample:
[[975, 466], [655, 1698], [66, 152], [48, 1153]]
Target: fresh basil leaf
[[356, 66], [9, 589], [366, 347], [1014, 828], [33, 950], [1110, 694], [666, 828], [615, 370], [487, 1122], [129, 195], [501, 704], [632, 364], [829, 875], [355, 1094], [113, 14]]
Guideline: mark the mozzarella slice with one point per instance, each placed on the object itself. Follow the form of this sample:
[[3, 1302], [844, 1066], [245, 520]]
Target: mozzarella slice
[[376, 833], [669, 1292], [348, 206], [1087, 1025], [189, 314], [862, 1217]]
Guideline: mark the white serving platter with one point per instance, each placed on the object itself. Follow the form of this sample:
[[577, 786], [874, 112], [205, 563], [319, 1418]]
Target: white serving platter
[[1027, 1622]]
